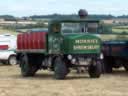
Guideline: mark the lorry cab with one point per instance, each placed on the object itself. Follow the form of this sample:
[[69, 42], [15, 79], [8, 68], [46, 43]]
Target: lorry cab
[[71, 36]]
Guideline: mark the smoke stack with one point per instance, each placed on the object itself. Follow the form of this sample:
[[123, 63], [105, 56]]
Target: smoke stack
[[82, 13]]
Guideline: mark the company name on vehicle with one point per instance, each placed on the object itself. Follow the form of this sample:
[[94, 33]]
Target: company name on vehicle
[[94, 41], [94, 44], [86, 47]]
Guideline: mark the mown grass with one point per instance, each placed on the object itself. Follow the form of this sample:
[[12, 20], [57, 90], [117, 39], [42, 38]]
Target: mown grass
[[6, 31], [120, 29]]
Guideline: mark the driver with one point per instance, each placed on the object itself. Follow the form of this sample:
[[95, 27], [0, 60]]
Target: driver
[[56, 28]]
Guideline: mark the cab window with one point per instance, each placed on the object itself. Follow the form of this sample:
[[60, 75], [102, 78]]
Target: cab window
[[56, 28], [92, 27], [79, 27]]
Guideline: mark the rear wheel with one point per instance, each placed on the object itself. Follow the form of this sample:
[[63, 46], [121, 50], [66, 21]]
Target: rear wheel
[[26, 68], [95, 69], [60, 68]]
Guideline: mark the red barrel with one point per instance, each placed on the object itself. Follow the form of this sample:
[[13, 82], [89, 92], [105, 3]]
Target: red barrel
[[32, 40]]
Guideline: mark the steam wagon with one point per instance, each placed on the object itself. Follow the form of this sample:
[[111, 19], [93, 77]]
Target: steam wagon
[[67, 44]]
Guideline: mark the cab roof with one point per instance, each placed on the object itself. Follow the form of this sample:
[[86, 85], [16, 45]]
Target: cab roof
[[74, 20]]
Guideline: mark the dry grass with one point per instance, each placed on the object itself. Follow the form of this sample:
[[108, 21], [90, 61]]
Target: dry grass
[[119, 30], [43, 84], [5, 31]]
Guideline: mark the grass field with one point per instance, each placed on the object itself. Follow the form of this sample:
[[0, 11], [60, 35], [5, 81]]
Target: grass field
[[43, 84], [120, 29], [5, 31]]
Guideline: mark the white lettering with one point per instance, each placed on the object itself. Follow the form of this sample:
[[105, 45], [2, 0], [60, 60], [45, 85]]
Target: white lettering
[[95, 41], [87, 47]]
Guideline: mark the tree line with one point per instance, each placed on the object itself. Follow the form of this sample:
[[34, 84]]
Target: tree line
[[59, 16]]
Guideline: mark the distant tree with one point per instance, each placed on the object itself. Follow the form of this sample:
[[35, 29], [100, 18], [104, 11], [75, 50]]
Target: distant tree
[[8, 17]]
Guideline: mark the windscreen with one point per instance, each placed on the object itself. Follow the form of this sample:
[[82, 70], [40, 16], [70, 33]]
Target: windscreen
[[81, 27]]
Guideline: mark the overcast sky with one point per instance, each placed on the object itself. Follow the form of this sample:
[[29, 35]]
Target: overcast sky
[[43, 7]]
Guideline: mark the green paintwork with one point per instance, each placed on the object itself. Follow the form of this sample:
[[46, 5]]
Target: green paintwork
[[81, 44], [74, 44], [54, 43]]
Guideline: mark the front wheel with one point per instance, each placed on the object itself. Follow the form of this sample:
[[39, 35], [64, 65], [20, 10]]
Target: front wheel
[[95, 69], [60, 68]]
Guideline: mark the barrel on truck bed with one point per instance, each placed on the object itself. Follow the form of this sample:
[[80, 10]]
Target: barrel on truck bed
[[31, 40]]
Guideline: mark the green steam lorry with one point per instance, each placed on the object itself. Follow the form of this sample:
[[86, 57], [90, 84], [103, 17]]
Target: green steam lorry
[[67, 44]]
